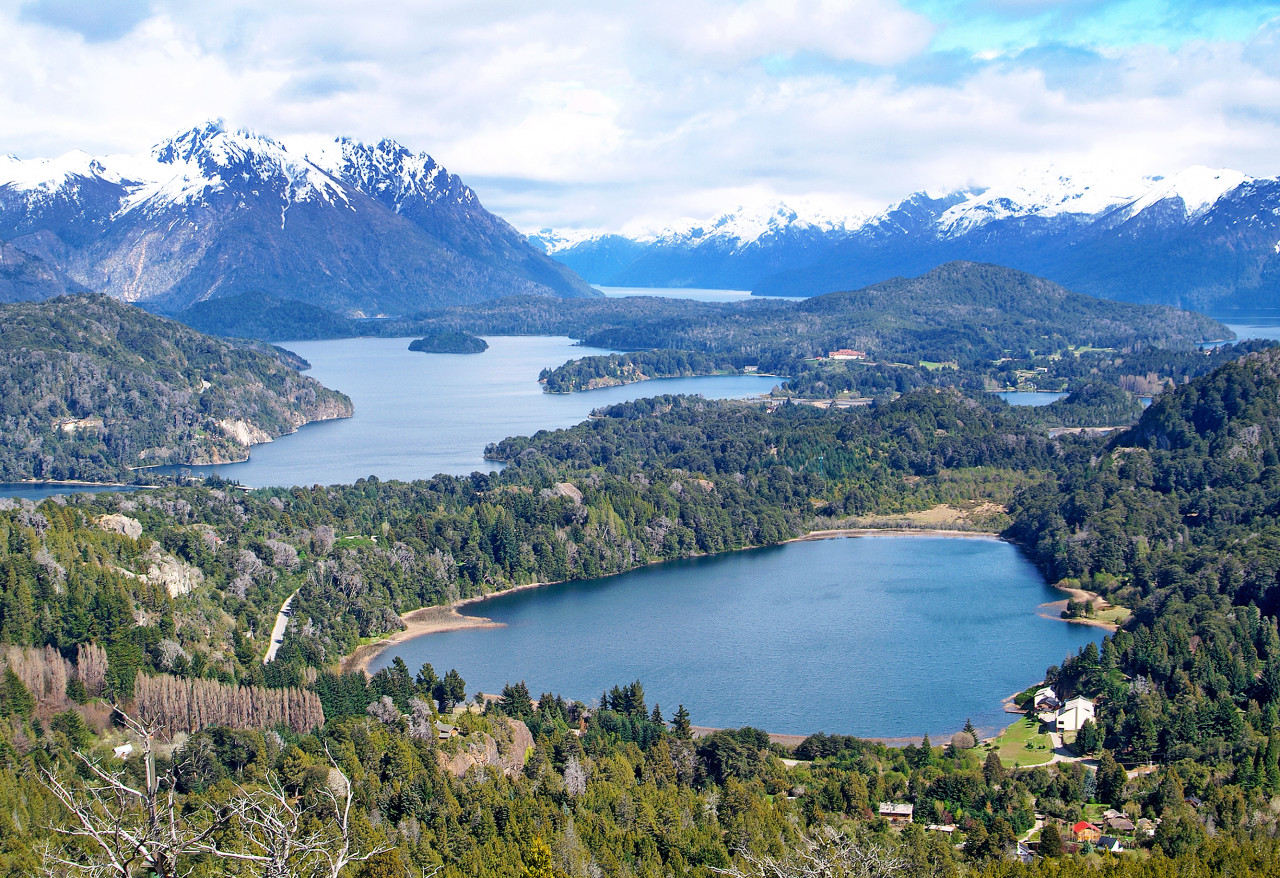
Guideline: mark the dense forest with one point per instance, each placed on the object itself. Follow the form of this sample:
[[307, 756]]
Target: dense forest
[[160, 601], [90, 388]]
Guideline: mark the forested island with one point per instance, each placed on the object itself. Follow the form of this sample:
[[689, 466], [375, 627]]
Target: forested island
[[160, 601], [449, 341]]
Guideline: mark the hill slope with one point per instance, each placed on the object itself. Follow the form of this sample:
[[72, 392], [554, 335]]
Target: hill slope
[[25, 278], [962, 311], [90, 387]]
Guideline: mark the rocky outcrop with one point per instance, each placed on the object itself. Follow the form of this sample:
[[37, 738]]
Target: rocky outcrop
[[480, 749], [121, 524], [244, 432], [177, 576]]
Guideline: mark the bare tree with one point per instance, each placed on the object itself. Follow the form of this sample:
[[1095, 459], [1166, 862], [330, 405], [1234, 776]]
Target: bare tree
[[830, 853], [118, 827], [276, 837]]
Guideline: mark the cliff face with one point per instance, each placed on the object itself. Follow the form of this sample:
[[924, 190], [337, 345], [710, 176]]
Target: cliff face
[[480, 749], [91, 387]]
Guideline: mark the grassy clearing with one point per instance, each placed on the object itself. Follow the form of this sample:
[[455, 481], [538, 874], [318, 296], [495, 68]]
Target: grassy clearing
[[1023, 744]]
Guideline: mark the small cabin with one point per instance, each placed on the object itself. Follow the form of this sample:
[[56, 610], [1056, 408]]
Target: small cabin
[[897, 813], [444, 731]]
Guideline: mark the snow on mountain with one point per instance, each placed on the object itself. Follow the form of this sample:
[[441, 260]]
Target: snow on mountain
[[552, 241], [1199, 188], [48, 175], [386, 171], [1047, 194], [214, 210], [182, 170], [746, 225]]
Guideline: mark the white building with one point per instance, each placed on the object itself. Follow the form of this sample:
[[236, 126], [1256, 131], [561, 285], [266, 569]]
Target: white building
[[1073, 714]]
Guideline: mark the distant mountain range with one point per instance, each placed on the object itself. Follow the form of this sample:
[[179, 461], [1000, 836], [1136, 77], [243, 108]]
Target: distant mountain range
[[353, 228], [1203, 239]]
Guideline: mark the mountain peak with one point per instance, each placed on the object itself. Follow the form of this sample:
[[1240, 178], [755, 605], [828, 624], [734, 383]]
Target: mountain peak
[[1197, 187]]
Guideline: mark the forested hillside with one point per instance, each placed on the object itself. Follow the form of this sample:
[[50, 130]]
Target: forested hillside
[[1175, 518], [90, 388]]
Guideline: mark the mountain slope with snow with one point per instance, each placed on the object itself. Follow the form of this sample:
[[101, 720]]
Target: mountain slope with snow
[[212, 212], [1204, 238]]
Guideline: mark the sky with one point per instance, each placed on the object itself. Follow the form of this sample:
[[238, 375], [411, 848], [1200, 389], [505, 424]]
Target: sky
[[609, 116]]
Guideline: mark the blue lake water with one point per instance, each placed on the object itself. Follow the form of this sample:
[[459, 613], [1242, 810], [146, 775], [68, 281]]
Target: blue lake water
[[36, 493], [698, 295], [1260, 328], [886, 636], [1029, 397], [417, 415]]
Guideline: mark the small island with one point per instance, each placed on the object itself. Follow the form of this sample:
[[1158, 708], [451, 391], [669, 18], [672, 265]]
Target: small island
[[449, 341]]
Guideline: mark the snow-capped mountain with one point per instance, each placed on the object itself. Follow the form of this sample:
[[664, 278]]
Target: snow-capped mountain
[[729, 250], [215, 211], [1203, 238]]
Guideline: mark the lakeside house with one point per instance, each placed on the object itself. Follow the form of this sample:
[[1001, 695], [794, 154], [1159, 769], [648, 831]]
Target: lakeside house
[[1046, 699], [1073, 714], [846, 354], [897, 813]]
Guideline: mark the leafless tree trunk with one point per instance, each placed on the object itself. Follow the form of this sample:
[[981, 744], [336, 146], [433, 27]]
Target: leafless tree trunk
[[829, 853], [119, 828], [275, 839]]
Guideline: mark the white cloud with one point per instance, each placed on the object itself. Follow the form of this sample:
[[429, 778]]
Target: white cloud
[[569, 113]]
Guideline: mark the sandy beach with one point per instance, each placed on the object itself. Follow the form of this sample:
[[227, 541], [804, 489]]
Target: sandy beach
[[838, 533], [428, 620], [1055, 609]]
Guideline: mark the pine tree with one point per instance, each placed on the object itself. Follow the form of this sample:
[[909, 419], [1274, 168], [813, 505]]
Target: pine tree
[[680, 725]]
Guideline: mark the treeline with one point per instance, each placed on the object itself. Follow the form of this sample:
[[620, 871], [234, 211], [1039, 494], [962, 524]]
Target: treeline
[[610, 789], [610, 370]]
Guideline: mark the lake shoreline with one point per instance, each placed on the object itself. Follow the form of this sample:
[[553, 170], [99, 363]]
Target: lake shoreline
[[441, 618]]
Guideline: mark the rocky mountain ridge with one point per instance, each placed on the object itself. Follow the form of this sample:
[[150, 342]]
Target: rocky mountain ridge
[[353, 228], [1205, 238]]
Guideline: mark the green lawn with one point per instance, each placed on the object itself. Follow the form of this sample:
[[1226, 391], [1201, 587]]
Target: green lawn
[[1023, 744]]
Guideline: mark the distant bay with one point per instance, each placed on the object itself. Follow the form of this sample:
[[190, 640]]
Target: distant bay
[[879, 635], [418, 414]]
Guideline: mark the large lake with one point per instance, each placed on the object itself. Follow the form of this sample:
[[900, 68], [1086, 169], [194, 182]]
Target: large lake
[[886, 636], [417, 415]]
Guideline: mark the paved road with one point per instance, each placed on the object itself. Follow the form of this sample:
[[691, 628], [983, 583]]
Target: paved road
[[277, 632]]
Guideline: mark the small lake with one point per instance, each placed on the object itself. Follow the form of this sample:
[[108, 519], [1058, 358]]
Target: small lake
[[417, 415], [879, 636], [698, 295], [1029, 397], [38, 492]]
